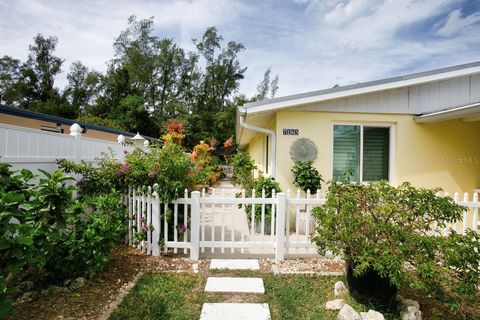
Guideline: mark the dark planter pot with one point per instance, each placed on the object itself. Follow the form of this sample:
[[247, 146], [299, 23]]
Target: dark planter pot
[[371, 288]]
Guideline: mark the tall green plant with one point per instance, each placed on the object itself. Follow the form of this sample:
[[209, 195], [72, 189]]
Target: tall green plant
[[243, 167], [268, 185], [306, 177]]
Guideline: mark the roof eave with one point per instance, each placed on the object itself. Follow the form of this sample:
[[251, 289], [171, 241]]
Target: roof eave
[[298, 100], [450, 114]]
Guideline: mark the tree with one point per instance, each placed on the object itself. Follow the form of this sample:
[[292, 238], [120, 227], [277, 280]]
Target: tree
[[266, 86], [223, 71], [83, 87], [44, 65], [9, 76]]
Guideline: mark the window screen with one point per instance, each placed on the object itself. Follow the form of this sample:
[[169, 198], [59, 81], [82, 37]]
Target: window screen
[[346, 151], [375, 153]]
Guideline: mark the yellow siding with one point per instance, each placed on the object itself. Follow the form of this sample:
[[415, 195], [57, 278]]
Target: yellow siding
[[444, 154]]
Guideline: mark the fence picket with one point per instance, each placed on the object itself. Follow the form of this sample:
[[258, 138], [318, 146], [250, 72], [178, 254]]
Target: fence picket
[[465, 214], [262, 226], [273, 208], [475, 212], [185, 219], [307, 219], [212, 208], [156, 224], [242, 211], [175, 224], [130, 214], [149, 220], [222, 232], [202, 219]]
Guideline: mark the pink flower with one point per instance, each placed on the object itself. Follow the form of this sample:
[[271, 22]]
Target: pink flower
[[125, 152], [142, 219], [125, 166]]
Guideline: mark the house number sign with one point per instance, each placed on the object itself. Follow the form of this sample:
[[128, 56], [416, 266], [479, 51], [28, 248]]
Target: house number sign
[[290, 132]]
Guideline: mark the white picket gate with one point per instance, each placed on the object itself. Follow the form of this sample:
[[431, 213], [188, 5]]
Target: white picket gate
[[219, 223]]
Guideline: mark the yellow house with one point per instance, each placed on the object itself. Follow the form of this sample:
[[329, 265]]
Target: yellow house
[[423, 128]]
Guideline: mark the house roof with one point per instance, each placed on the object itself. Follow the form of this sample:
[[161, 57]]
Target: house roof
[[46, 117], [361, 88], [259, 113]]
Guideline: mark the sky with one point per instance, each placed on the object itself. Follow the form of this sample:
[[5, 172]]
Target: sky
[[311, 44]]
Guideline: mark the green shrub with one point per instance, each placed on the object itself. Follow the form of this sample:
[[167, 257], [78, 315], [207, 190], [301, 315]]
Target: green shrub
[[46, 236], [243, 167], [382, 228], [306, 177], [267, 184]]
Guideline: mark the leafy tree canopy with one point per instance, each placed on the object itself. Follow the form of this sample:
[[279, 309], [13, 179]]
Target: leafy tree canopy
[[149, 81]]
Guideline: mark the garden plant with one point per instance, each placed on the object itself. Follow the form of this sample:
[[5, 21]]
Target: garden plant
[[47, 236], [306, 177], [387, 236]]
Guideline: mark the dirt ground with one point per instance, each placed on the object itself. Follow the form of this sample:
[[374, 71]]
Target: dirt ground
[[98, 293]]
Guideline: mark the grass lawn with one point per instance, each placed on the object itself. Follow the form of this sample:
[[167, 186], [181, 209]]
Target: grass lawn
[[181, 296]]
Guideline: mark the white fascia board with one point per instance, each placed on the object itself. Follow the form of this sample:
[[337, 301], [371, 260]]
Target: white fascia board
[[362, 90], [456, 113]]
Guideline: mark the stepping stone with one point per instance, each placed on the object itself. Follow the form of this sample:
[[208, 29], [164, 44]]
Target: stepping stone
[[235, 264], [235, 311], [240, 285]]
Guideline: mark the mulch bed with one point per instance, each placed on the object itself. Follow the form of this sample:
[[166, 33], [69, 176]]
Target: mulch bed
[[94, 298]]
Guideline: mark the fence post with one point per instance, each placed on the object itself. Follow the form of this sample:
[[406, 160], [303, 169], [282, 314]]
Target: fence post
[[280, 232], [155, 223], [195, 226], [76, 132]]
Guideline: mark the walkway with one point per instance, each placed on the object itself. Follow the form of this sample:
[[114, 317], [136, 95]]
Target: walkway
[[231, 285], [237, 224]]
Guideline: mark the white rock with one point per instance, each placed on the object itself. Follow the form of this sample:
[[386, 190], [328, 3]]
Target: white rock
[[340, 289], [410, 310], [195, 268], [335, 304], [410, 302], [372, 315], [348, 313], [411, 313]]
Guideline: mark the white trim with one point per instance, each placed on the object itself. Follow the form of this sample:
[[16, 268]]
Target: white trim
[[391, 151], [456, 113], [363, 90]]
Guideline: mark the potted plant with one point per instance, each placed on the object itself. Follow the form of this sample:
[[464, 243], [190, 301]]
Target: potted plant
[[268, 184], [386, 236], [306, 177]]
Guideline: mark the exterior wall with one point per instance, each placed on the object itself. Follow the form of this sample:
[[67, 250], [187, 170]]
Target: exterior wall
[[418, 99], [37, 124], [256, 148], [444, 154]]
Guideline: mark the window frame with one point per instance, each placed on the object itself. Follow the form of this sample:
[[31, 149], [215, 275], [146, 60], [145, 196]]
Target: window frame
[[391, 151]]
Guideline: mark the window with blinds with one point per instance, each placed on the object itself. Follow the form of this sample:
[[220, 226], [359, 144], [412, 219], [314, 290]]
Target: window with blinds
[[362, 151]]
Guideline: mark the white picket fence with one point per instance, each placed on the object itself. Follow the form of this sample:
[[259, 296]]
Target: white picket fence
[[219, 223], [33, 149]]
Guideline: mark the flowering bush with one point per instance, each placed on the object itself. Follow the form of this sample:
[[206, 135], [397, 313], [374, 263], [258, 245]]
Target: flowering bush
[[175, 132], [206, 171]]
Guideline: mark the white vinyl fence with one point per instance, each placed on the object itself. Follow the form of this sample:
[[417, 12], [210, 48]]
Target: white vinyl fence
[[219, 223], [36, 149]]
